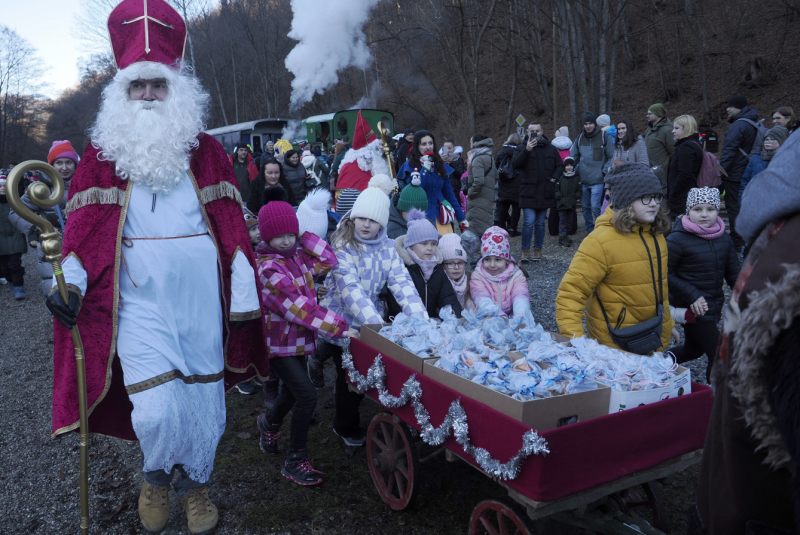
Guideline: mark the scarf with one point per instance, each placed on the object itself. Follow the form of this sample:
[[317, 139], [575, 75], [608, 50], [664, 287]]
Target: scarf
[[569, 175], [460, 288], [767, 155], [478, 152], [714, 231], [427, 265], [265, 249]]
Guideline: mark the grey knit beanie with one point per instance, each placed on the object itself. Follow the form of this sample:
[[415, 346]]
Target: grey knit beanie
[[629, 181]]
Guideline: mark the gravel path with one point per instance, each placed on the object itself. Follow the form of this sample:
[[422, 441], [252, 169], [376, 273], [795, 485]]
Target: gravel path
[[39, 479]]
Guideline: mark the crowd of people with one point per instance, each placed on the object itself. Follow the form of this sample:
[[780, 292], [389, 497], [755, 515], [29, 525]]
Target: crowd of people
[[191, 271]]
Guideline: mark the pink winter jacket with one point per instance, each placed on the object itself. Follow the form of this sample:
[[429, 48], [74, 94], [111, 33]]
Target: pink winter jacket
[[287, 288], [509, 289]]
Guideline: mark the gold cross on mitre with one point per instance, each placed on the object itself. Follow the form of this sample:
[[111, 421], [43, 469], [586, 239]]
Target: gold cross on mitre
[[146, 17]]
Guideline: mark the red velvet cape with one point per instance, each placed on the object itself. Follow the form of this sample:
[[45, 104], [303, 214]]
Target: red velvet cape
[[97, 205]]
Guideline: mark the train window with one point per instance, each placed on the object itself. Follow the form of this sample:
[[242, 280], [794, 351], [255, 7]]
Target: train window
[[256, 143], [341, 126]]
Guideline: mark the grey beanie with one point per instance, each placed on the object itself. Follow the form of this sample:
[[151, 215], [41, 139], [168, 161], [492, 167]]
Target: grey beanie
[[629, 181]]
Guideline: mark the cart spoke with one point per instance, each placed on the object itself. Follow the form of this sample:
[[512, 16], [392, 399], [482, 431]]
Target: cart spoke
[[378, 442], [395, 436], [399, 479], [389, 484], [501, 522], [488, 526], [402, 468], [386, 433]]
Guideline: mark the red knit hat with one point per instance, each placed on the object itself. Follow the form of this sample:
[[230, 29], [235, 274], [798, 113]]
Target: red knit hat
[[275, 219], [62, 149]]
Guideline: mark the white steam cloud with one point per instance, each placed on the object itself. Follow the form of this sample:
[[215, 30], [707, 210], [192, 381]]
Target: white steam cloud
[[331, 38], [293, 130]]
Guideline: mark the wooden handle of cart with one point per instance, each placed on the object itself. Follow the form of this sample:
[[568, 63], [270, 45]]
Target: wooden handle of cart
[[40, 195]]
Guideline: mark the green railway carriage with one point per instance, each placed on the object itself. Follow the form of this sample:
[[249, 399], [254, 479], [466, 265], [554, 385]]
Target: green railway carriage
[[324, 128]]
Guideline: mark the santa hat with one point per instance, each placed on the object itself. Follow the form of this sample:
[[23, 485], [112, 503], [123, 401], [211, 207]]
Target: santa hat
[[495, 243], [250, 219], [363, 134], [372, 203], [146, 31], [62, 149], [313, 212]]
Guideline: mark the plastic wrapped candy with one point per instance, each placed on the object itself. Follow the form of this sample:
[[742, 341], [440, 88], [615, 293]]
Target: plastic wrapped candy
[[417, 344], [488, 309]]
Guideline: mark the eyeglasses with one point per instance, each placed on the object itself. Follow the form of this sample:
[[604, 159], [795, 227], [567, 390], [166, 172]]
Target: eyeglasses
[[454, 265], [647, 199]]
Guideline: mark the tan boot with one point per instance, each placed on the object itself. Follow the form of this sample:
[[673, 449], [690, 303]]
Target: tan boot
[[526, 256], [537, 254], [201, 514], [154, 507]]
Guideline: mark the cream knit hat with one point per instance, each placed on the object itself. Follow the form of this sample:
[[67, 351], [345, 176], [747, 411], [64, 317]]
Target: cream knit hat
[[372, 203], [312, 213]]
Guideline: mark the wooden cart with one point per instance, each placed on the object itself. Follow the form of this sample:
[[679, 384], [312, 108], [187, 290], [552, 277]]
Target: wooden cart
[[395, 453]]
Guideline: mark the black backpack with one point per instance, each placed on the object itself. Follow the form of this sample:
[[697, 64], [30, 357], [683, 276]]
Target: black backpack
[[505, 171]]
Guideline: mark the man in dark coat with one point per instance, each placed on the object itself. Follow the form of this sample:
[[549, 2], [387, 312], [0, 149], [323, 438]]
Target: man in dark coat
[[401, 154], [739, 141], [541, 166], [749, 476]]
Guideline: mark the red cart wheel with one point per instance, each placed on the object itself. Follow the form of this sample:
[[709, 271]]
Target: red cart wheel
[[498, 517], [649, 496], [393, 460]]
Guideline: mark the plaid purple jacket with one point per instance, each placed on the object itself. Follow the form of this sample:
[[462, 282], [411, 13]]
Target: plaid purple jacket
[[354, 285], [287, 287]]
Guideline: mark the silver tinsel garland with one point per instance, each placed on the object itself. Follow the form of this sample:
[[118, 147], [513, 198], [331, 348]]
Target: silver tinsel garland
[[456, 419]]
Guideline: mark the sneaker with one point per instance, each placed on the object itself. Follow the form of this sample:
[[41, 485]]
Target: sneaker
[[353, 441], [154, 507], [201, 514], [514, 233], [537, 254], [258, 382], [246, 388], [19, 292], [316, 372], [269, 435], [270, 390], [299, 469]]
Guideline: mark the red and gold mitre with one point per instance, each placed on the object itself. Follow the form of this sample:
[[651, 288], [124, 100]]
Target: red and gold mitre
[[146, 30]]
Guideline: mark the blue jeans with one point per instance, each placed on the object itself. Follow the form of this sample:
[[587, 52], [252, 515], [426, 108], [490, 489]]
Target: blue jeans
[[591, 201], [160, 478], [533, 219]]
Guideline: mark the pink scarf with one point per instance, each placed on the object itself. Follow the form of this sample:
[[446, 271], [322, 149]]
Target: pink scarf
[[714, 231], [460, 288]]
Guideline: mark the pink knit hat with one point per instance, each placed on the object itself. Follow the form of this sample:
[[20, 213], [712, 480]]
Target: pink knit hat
[[62, 149], [275, 219], [495, 243], [451, 249]]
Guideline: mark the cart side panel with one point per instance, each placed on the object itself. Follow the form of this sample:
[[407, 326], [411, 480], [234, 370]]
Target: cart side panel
[[583, 455]]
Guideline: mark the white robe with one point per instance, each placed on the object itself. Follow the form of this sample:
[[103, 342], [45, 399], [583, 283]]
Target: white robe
[[169, 335]]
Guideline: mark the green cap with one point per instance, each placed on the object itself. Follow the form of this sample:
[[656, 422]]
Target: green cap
[[658, 110], [412, 197]]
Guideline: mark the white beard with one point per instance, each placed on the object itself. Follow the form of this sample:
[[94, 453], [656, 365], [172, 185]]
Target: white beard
[[150, 142], [369, 158]]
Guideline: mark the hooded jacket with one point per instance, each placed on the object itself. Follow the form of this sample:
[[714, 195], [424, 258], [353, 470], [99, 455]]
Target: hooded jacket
[[637, 152], [683, 171], [508, 289], [540, 169], [697, 268], [12, 241], [740, 135], [435, 293], [568, 191], [481, 179], [615, 268], [593, 155], [660, 144], [286, 283]]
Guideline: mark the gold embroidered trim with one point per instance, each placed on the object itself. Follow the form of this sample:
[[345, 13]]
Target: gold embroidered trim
[[96, 196], [73, 255], [245, 316], [219, 191], [159, 380]]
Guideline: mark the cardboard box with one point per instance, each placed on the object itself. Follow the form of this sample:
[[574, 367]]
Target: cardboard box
[[370, 336], [540, 414], [677, 386]]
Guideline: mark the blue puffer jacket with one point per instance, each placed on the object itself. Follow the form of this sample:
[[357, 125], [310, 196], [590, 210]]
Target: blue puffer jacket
[[740, 134], [437, 189], [756, 165]]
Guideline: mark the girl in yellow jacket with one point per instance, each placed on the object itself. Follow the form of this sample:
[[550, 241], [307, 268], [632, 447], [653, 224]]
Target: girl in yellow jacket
[[612, 262]]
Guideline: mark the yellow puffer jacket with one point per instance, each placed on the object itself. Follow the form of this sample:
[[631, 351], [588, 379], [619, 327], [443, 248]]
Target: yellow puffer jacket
[[615, 267]]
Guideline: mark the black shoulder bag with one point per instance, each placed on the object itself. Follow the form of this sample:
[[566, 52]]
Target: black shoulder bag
[[645, 337]]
